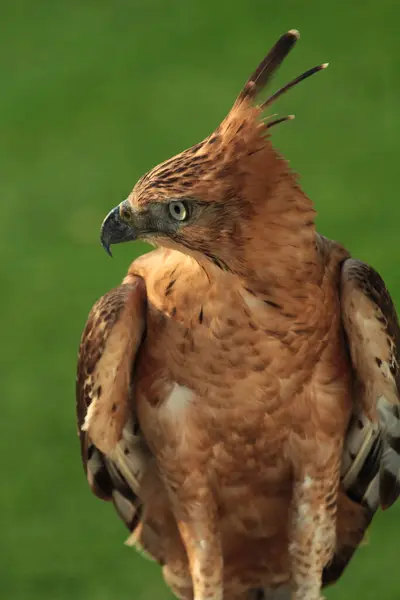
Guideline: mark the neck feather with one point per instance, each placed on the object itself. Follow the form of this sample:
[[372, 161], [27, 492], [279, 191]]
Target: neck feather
[[278, 245]]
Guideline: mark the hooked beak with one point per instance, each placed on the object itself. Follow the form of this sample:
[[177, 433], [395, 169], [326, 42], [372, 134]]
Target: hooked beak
[[116, 230]]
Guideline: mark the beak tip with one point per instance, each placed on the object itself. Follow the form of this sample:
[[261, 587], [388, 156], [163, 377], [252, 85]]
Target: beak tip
[[114, 230], [106, 247]]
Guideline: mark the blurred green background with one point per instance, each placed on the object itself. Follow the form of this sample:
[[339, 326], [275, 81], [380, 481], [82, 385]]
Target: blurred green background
[[93, 94]]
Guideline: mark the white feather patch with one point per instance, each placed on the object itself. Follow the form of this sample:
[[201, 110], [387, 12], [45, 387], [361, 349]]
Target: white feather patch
[[251, 301], [176, 403]]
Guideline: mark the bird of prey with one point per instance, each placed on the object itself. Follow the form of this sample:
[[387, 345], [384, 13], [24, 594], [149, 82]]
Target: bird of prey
[[238, 393]]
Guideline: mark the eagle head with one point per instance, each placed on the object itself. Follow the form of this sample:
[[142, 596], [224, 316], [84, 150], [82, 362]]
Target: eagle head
[[213, 199]]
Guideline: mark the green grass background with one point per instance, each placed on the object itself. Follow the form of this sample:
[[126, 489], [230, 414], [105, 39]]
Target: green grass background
[[92, 94]]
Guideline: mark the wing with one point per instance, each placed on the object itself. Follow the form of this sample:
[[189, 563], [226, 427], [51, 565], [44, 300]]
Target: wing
[[114, 453], [372, 449], [371, 453]]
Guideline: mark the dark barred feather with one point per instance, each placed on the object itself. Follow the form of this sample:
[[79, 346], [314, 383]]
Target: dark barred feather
[[371, 454], [116, 476]]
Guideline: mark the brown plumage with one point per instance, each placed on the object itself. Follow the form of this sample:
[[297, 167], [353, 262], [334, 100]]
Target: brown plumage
[[237, 394]]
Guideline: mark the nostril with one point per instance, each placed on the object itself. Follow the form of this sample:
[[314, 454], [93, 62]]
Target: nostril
[[125, 213]]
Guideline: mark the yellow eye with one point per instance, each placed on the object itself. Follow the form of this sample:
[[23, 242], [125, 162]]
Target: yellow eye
[[178, 210]]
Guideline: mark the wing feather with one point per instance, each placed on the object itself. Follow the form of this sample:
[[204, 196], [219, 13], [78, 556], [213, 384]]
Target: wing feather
[[114, 454], [372, 449], [371, 453]]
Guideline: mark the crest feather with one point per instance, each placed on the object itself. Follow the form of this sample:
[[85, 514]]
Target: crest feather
[[268, 66], [240, 144], [263, 75]]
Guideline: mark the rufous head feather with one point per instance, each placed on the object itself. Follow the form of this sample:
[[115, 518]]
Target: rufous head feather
[[213, 196]]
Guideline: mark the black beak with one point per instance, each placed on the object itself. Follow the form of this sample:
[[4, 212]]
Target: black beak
[[115, 230]]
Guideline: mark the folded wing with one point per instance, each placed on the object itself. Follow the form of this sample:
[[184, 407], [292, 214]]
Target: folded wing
[[373, 334], [371, 453], [114, 453]]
